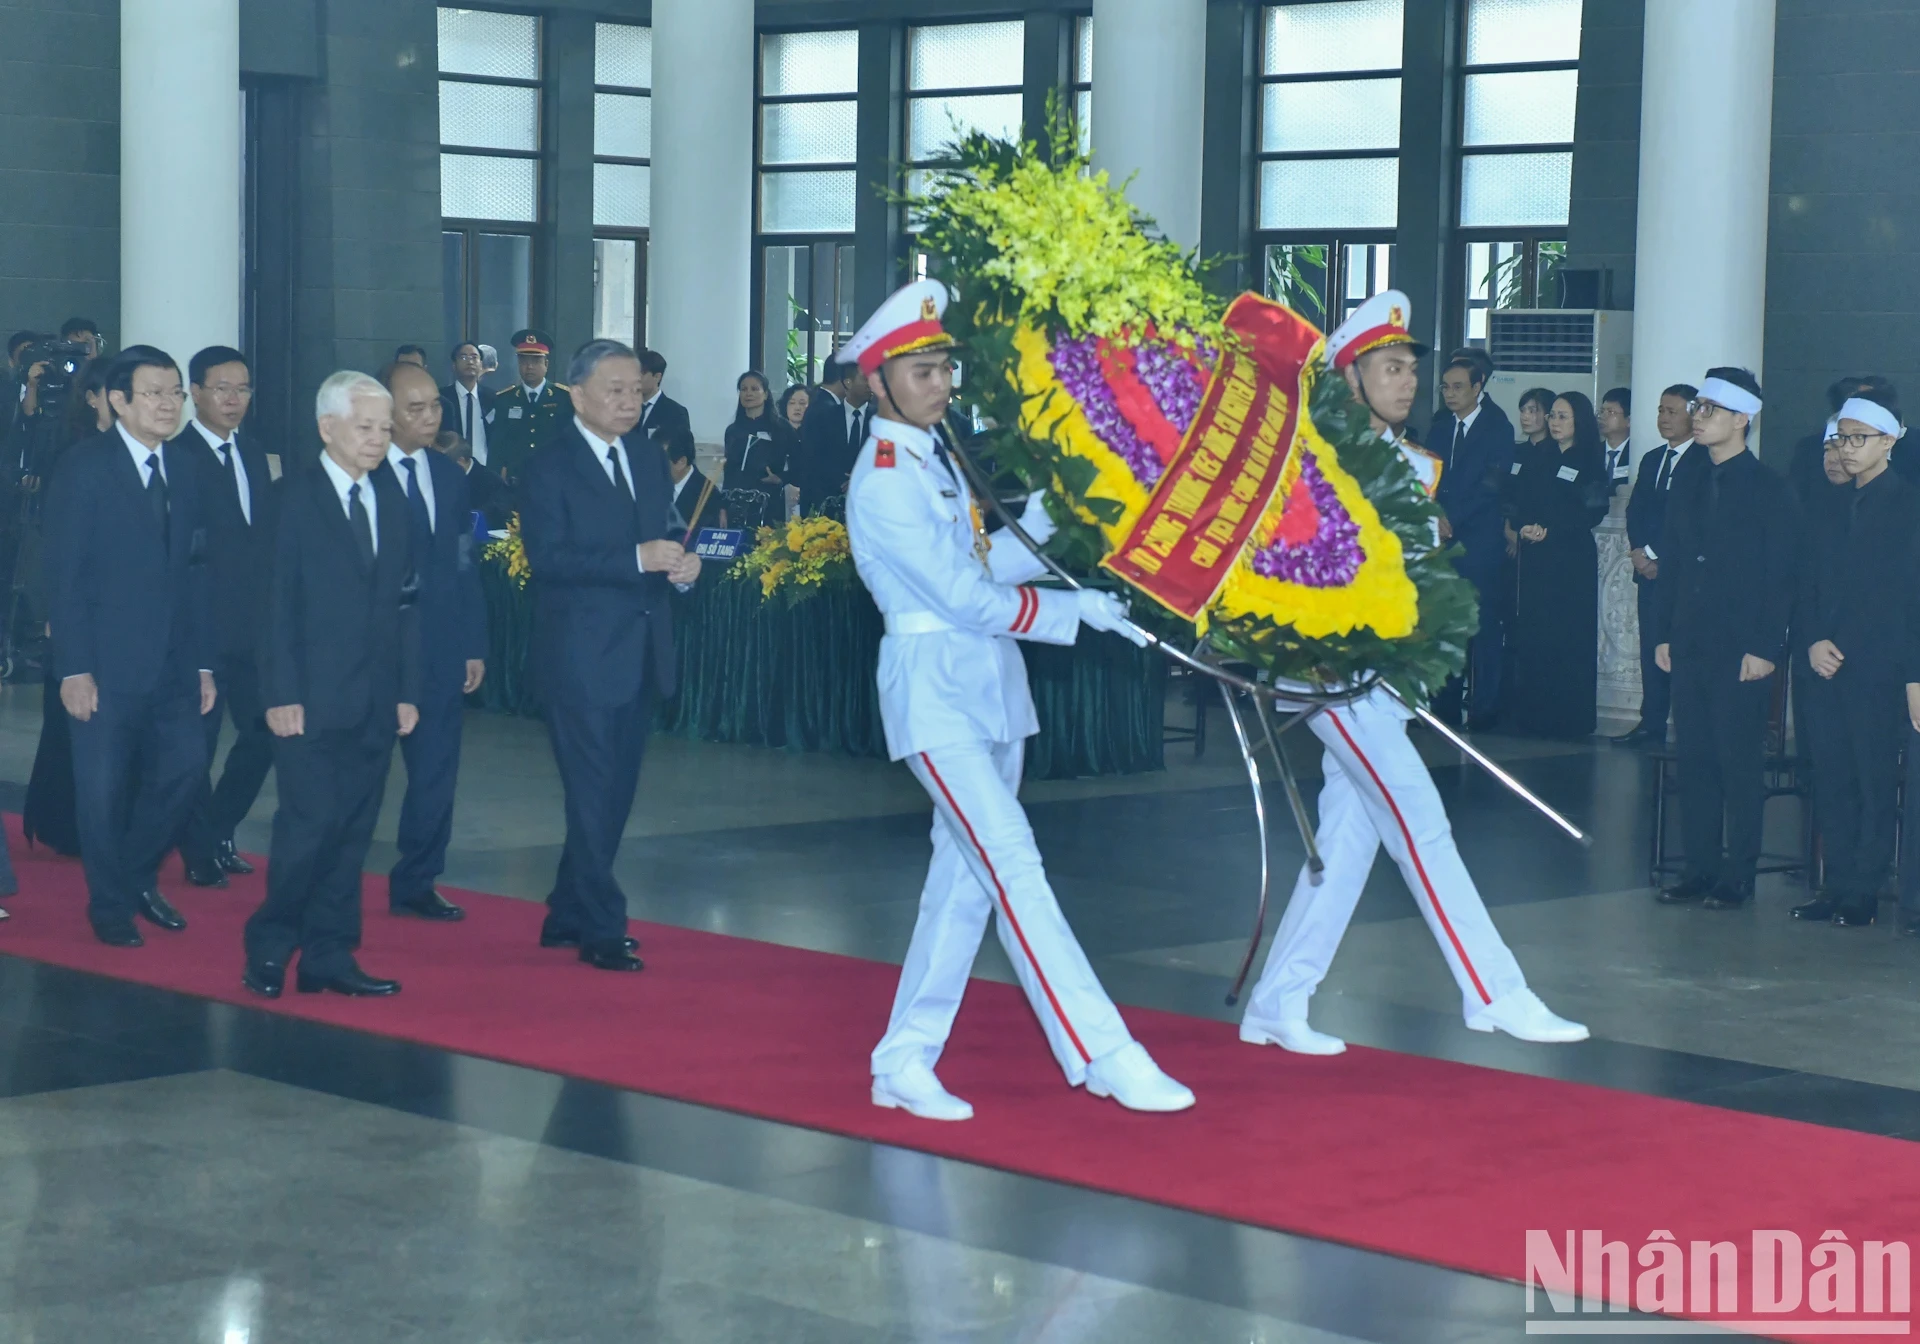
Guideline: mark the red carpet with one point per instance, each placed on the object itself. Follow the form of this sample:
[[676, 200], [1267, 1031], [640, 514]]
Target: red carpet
[[1439, 1162]]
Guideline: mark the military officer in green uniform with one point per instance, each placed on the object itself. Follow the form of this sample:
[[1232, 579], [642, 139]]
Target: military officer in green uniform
[[526, 414]]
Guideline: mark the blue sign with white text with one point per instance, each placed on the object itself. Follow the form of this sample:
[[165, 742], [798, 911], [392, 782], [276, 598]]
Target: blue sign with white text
[[719, 543]]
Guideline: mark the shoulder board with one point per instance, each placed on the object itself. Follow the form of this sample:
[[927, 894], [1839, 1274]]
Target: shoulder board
[[883, 453], [559, 387]]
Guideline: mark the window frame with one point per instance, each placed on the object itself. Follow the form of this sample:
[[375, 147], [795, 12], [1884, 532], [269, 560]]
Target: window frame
[[537, 85], [909, 95], [1532, 233], [639, 231]]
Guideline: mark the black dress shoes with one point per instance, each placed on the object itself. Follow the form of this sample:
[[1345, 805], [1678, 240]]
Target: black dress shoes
[[552, 937], [1819, 910], [1641, 736], [349, 980], [1856, 915], [120, 934], [612, 956], [206, 874], [431, 906], [265, 978], [1728, 896], [230, 861], [151, 906], [1691, 887]]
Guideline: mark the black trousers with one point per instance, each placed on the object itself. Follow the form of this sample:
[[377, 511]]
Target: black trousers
[[217, 809], [1857, 730], [1720, 725], [330, 787], [1656, 687], [136, 763], [432, 752], [598, 750]]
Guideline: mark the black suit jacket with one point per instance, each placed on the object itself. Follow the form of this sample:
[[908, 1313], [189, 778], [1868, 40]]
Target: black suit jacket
[[450, 416], [1647, 505], [453, 611], [689, 497], [600, 626], [127, 602], [489, 494], [1471, 479], [341, 639], [239, 553], [665, 414], [825, 454], [1727, 569]]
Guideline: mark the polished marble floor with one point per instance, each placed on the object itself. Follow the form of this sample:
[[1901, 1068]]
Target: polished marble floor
[[177, 1170]]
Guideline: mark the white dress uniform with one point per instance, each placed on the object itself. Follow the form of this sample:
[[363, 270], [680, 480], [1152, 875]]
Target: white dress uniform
[[956, 708], [1379, 792]]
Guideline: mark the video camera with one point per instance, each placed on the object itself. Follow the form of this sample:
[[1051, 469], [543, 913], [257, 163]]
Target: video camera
[[64, 360]]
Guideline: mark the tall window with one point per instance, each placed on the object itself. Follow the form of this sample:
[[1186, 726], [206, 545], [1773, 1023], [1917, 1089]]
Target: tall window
[[622, 179], [1329, 165], [1083, 80], [489, 169], [962, 77], [807, 193], [1520, 82]]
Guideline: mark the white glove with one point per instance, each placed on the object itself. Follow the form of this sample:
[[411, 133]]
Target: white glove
[[1104, 611], [1035, 521]]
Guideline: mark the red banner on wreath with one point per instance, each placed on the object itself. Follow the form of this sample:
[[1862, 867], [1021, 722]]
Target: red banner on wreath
[[1215, 490]]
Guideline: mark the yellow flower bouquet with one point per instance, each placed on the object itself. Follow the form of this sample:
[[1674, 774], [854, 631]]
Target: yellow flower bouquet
[[793, 563], [510, 553]]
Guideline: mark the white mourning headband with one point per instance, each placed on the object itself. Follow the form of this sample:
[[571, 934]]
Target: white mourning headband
[[1833, 428], [1723, 393], [1871, 413]]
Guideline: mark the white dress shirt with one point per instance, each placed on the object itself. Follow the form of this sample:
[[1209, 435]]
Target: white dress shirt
[[462, 396], [221, 449], [600, 449], [1668, 465], [532, 394], [141, 453], [398, 460], [342, 483]]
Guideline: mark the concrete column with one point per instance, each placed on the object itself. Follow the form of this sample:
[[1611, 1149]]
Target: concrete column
[[1149, 86], [1705, 147], [700, 262], [180, 169]]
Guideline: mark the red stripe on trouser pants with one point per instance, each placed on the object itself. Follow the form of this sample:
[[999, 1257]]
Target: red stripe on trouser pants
[[1433, 897], [1006, 909]]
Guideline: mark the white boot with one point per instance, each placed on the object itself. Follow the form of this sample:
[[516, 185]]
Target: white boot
[[1522, 1015], [1294, 1035], [1130, 1077], [916, 1091]]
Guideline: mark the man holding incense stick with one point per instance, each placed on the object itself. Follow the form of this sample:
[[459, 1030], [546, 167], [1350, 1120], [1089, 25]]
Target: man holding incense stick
[[955, 705], [1378, 791]]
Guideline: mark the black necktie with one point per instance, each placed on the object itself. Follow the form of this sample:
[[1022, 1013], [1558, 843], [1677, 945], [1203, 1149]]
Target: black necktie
[[619, 476], [466, 402], [1666, 473], [417, 502], [1459, 437], [856, 437], [361, 524], [232, 452], [157, 492]]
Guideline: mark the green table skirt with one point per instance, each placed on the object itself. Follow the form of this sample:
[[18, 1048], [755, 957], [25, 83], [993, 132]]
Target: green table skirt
[[802, 678]]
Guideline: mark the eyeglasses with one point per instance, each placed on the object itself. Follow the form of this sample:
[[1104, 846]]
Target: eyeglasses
[[1705, 409], [1855, 440], [171, 396], [231, 389]]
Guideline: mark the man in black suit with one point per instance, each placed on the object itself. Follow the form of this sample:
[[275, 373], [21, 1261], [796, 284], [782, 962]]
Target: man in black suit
[[1646, 526], [1720, 624], [659, 413], [688, 484], [453, 641], [467, 406], [593, 515], [831, 435], [126, 542], [487, 494], [340, 669], [1473, 439], [237, 497]]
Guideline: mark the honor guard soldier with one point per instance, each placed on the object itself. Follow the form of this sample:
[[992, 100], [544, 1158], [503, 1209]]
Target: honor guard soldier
[[526, 415], [1378, 791], [955, 705]]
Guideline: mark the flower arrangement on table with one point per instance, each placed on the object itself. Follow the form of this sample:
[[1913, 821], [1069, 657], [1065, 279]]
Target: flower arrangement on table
[[1198, 450], [510, 553], [798, 560]]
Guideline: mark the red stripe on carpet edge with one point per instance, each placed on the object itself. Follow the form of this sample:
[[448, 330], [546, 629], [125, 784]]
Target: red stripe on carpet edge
[[1433, 1161]]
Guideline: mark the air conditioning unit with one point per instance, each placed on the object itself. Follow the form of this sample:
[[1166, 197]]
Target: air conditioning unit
[[1562, 349]]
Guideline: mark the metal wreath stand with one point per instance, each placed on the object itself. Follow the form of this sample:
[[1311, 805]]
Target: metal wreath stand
[[1292, 703]]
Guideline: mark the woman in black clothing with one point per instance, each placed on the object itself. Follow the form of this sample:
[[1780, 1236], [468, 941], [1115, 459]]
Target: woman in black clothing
[[756, 444], [1560, 495], [49, 816]]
